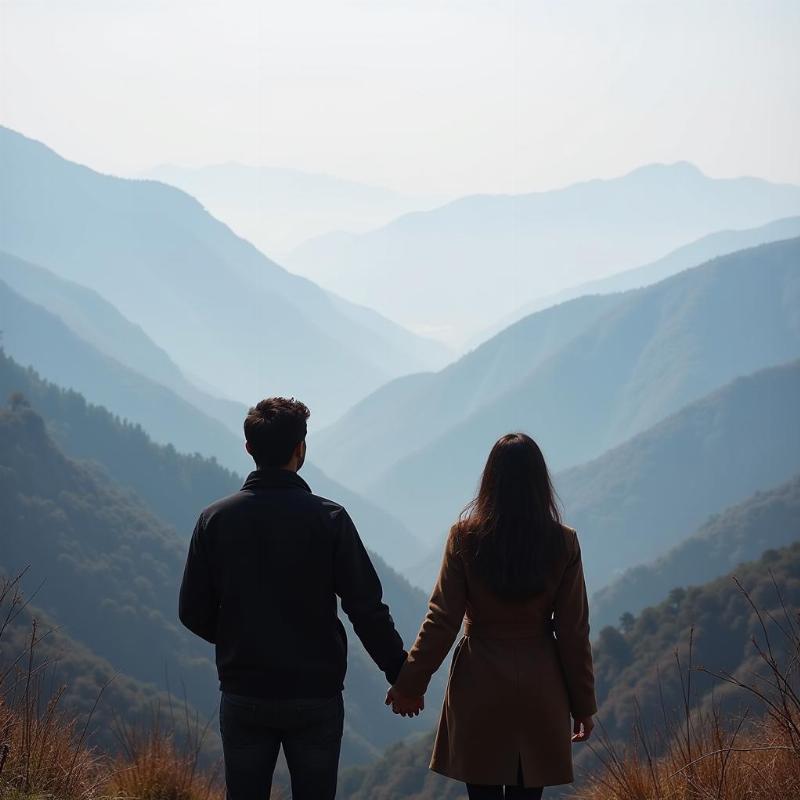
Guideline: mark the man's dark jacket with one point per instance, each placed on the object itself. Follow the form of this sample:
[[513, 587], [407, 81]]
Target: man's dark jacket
[[264, 568]]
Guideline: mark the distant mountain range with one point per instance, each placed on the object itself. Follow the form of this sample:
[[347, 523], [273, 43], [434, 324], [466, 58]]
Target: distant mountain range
[[277, 209], [480, 258], [225, 313], [615, 366], [766, 520]]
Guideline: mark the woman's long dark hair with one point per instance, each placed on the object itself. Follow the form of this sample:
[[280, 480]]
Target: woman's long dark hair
[[512, 530]]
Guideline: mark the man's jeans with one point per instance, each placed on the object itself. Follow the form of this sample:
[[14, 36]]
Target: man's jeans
[[253, 730]]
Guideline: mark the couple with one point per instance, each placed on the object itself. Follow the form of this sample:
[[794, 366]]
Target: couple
[[266, 565]]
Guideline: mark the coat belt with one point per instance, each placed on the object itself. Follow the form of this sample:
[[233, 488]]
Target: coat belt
[[509, 630]]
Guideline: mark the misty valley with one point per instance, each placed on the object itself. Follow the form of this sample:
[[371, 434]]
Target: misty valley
[[644, 329]]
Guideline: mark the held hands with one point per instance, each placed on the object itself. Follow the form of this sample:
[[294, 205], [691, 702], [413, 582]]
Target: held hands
[[582, 729], [402, 705]]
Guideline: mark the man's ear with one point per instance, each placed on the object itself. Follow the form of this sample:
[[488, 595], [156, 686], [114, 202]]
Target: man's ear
[[247, 447]]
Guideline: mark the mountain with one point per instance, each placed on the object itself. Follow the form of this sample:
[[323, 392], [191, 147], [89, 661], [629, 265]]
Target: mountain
[[175, 485], [637, 679], [96, 321], [635, 502], [653, 351], [220, 308], [387, 425], [766, 520], [689, 255], [277, 208], [478, 258], [108, 564]]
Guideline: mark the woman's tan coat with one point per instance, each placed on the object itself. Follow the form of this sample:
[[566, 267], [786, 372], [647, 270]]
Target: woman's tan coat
[[517, 675]]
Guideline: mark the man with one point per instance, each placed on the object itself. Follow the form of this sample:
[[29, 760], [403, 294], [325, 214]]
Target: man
[[265, 566]]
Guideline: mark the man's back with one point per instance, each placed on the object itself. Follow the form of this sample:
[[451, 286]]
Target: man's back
[[264, 568]]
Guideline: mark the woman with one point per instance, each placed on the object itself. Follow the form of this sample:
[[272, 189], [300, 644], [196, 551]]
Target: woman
[[524, 664]]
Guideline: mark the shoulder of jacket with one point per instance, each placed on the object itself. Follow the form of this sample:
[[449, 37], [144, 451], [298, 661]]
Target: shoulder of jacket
[[571, 538], [220, 506], [328, 507]]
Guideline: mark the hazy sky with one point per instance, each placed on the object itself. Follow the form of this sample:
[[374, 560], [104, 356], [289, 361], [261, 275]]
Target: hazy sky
[[418, 95]]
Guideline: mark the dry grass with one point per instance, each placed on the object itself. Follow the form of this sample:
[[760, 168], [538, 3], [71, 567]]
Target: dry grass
[[44, 753], [700, 755], [152, 766]]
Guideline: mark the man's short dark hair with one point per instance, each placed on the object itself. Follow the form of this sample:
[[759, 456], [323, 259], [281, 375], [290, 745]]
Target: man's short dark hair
[[273, 429]]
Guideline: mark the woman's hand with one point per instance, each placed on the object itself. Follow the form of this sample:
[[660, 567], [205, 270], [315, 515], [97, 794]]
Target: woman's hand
[[582, 729], [402, 705]]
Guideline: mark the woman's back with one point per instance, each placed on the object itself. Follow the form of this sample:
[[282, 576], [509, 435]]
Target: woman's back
[[512, 574], [518, 674]]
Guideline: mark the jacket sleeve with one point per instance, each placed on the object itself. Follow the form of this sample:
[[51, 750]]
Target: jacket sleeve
[[198, 604], [571, 626], [440, 627], [361, 593]]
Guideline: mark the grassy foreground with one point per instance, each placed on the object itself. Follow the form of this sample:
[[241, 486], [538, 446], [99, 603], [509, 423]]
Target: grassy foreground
[[694, 755]]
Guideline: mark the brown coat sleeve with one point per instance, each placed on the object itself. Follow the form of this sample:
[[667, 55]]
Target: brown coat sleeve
[[440, 628], [571, 623]]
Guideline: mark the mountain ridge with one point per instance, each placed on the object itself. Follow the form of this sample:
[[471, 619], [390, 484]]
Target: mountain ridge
[[509, 247]]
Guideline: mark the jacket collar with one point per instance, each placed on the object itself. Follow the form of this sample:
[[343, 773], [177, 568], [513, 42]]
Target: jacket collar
[[274, 478]]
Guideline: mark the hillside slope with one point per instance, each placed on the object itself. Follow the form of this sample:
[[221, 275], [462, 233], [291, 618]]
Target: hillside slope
[[96, 321], [766, 520], [35, 337]]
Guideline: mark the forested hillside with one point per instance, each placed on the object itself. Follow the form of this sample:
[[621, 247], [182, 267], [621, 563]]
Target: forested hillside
[[176, 485], [766, 520], [638, 663]]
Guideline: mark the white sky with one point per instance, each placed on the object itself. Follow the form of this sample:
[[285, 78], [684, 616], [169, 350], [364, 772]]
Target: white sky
[[426, 96]]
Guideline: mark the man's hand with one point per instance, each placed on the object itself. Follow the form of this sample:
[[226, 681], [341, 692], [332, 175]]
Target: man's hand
[[582, 729], [402, 705]]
